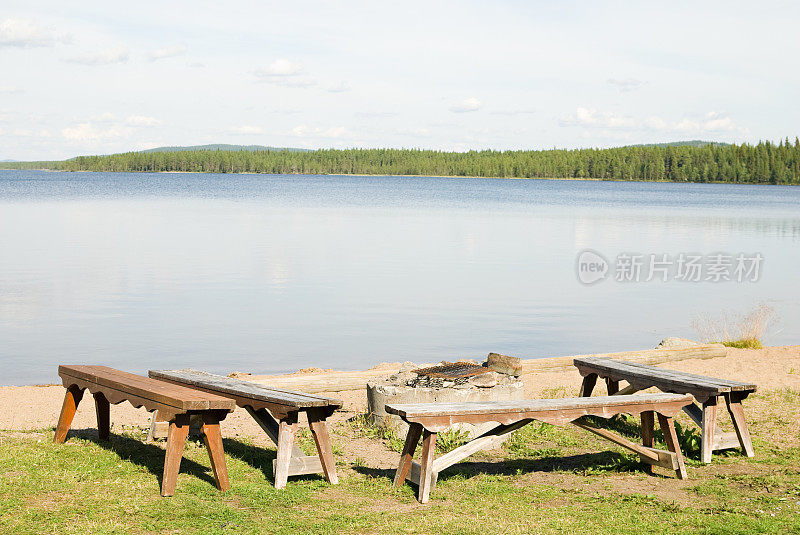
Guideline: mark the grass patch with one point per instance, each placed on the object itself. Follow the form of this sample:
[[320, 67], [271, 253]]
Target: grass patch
[[744, 343], [743, 331], [361, 425], [546, 479]]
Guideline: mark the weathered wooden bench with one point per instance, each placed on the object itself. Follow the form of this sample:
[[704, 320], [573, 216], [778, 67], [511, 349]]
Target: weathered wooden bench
[[706, 390], [428, 419], [176, 404], [276, 411]]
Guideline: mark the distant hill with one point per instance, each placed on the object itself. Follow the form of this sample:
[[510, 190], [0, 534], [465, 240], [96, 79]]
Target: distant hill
[[8, 161], [223, 146], [691, 143]]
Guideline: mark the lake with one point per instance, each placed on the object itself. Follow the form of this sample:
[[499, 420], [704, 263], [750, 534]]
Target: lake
[[272, 273]]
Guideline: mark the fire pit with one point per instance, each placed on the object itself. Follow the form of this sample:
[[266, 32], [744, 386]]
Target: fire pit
[[447, 382], [453, 370]]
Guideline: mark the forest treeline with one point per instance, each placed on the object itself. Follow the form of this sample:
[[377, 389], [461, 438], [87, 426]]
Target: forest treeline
[[763, 163]]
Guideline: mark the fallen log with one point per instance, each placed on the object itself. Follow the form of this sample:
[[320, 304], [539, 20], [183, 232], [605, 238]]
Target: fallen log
[[645, 356]]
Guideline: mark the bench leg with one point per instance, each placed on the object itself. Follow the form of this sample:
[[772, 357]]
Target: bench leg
[[176, 439], [316, 421], [671, 438], [412, 439], [216, 454], [102, 408], [707, 429], [286, 432], [426, 466], [588, 385], [71, 400], [648, 424], [734, 404]]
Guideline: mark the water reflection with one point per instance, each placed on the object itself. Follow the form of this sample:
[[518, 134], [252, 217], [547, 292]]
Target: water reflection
[[271, 274]]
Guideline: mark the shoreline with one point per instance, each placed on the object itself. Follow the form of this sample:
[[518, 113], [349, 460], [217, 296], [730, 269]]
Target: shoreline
[[30, 408], [575, 179]]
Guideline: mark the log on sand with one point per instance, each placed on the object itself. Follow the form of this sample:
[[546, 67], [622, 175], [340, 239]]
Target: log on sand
[[356, 380]]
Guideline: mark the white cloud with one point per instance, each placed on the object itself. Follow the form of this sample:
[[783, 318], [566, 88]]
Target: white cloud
[[86, 133], [24, 132], [415, 132], [339, 87], [9, 89], [141, 120], [280, 67], [592, 118], [247, 129], [105, 57], [27, 34], [146, 145], [167, 52], [284, 73], [105, 117], [466, 105], [317, 132], [513, 112], [292, 82], [375, 114], [711, 122], [626, 84], [656, 123]]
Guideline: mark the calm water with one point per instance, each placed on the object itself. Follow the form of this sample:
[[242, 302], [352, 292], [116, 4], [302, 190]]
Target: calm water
[[274, 273]]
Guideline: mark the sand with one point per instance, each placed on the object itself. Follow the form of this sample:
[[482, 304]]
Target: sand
[[37, 407]]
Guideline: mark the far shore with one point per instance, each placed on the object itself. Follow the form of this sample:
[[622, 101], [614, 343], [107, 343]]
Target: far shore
[[570, 179]]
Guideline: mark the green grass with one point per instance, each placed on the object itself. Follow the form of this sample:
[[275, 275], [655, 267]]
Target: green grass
[[743, 343], [545, 479]]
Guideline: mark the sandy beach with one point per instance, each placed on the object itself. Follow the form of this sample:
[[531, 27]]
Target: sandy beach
[[37, 407]]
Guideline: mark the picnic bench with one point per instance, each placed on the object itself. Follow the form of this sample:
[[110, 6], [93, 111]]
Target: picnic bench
[[276, 411], [428, 419], [176, 404], [706, 390]]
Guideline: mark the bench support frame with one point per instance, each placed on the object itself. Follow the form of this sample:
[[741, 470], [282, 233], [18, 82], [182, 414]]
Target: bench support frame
[[176, 438], [704, 415], [291, 461], [425, 473], [279, 422]]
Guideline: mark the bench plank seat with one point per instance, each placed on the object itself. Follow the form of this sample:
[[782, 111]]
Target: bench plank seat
[[276, 411], [706, 390], [599, 405], [663, 378], [177, 405], [157, 392], [245, 389], [427, 419]]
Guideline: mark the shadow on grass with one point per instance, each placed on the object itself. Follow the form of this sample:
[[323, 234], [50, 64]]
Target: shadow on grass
[[602, 462], [148, 456], [260, 458], [151, 456], [628, 426]]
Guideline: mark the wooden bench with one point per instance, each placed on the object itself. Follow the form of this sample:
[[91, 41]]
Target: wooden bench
[[176, 404], [706, 390], [428, 419], [276, 411]]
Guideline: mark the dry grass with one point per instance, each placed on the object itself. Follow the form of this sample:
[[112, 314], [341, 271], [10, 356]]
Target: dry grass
[[736, 329]]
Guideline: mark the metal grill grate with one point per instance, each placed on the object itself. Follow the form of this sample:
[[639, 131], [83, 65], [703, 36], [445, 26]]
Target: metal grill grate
[[452, 370]]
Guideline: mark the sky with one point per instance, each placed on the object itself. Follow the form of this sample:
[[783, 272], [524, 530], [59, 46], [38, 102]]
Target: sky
[[103, 77]]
